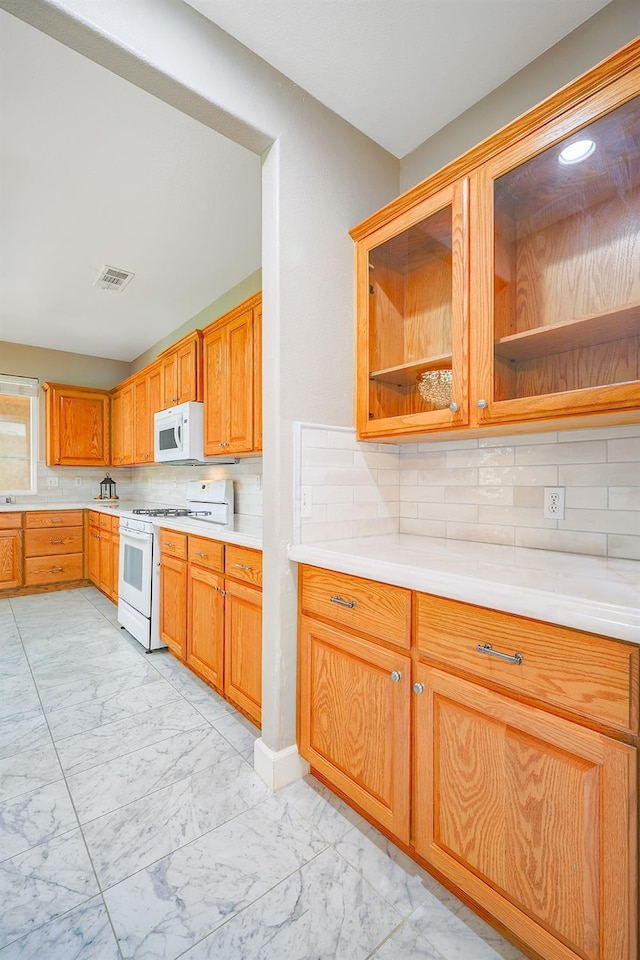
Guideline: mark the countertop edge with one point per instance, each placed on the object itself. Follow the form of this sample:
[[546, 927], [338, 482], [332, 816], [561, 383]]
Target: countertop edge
[[610, 620]]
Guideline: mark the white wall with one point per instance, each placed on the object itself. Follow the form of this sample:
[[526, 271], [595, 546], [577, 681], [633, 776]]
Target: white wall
[[320, 177]]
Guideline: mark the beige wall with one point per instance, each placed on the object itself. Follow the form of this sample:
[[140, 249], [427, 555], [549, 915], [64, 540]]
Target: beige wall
[[242, 291], [603, 34]]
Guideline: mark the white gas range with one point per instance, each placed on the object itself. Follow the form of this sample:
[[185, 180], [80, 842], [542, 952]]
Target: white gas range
[[209, 502]]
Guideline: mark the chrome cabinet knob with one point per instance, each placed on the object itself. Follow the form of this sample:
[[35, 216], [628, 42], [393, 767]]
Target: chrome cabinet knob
[[396, 675], [482, 404], [418, 688], [454, 407]]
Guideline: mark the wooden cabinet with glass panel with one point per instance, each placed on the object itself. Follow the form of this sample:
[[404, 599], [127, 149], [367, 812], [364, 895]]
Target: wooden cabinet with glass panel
[[503, 293]]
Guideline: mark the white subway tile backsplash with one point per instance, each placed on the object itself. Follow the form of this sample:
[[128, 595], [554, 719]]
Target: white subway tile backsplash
[[624, 449], [488, 489], [624, 498], [565, 541], [560, 452], [622, 546]]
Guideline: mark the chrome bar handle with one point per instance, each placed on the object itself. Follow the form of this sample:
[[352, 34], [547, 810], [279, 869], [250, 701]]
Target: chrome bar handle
[[343, 603], [488, 649], [56, 540], [199, 553], [56, 569], [243, 566]]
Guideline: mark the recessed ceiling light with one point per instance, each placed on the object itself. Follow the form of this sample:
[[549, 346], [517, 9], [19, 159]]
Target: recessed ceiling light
[[576, 152]]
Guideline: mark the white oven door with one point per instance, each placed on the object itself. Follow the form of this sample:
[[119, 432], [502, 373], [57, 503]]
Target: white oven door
[[134, 585]]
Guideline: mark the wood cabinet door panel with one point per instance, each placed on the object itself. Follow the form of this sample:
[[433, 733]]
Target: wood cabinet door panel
[[531, 814], [105, 580], [215, 391], [10, 559], [188, 361], [115, 565], [257, 378], [80, 430], [240, 389], [169, 380], [93, 549], [354, 720], [205, 645], [243, 648], [173, 604]]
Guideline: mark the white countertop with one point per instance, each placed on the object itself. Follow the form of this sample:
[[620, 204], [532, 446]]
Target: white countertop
[[595, 594], [244, 530]]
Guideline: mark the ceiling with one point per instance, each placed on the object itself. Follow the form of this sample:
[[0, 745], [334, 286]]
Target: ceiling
[[94, 171], [399, 70]]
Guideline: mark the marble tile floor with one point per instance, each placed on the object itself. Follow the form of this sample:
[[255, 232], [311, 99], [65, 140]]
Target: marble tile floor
[[132, 825]]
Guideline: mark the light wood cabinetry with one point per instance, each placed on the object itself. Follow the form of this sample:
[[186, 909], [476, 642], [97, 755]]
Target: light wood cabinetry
[[509, 745], [102, 548], [211, 614], [173, 591], [11, 554], [53, 547], [77, 426], [531, 815], [181, 371], [122, 425], [147, 399], [232, 404], [502, 294]]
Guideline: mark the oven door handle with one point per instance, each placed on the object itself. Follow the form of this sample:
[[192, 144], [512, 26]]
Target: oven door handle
[[178, 434]]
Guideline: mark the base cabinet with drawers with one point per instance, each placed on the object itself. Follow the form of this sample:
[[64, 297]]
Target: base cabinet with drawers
[[211, 614], [53, 547], [513, 777]]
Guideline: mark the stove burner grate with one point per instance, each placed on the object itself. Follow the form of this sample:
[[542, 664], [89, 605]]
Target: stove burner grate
[[170, 512]]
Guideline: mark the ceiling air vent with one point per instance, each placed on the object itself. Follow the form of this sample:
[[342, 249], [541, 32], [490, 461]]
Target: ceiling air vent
[[112, 278]]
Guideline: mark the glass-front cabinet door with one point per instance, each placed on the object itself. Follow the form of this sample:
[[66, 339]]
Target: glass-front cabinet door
[[412, 343], [557, 295]]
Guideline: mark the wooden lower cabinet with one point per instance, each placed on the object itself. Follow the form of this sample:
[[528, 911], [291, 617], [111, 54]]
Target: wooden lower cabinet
[[53, 547], [355, 719], [533, 815], [173, 604], [213, 621], [10, 559], [243, 648], [527, 807], [205, 646]]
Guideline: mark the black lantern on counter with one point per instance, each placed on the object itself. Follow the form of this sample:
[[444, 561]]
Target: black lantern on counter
[[108, 489]]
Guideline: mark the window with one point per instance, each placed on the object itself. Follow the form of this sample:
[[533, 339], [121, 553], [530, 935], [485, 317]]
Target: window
[[18, 434]]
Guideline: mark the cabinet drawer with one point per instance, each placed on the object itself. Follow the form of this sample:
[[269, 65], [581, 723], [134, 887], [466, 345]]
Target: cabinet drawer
[[174, 544], [206, 553], [242, 563], [378, 609], [53, 569], [105, 520], [592, 676], [10, 521], [54, 518], [44, 543]]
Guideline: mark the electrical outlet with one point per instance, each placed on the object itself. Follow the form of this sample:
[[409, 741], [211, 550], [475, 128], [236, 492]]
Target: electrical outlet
[[52, 481], [9, 499], [306, 503], [554, 503], [78, 481], [257, 482]]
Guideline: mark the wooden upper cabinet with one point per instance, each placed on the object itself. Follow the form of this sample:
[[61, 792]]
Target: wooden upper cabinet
[[181, 371], [147, 399], [77, 425], [230, 402], [559, 304], [412, 340], [257, 378], [122, 418], [505, 289]]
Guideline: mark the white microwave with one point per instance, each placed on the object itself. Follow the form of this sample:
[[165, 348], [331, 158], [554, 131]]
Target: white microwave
[[178, 434]]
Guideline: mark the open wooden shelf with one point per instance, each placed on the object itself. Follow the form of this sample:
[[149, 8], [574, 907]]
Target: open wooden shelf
[[557, 338], [408, 373]]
